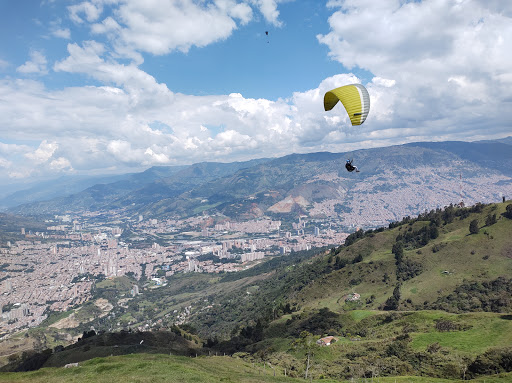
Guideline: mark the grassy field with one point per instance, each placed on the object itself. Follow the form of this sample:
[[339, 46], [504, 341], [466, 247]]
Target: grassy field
[[487, 330], [142, 368]]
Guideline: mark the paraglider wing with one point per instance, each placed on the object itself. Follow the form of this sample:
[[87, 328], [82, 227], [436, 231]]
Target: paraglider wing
[[355, 99]]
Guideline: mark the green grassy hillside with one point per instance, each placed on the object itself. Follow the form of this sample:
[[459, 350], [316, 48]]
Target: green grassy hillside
[[446, 262], [143, 368]]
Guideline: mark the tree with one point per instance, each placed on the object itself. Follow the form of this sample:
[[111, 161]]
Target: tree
[[398, 250], [308, 345], [396, 292], [491, 220], [473, 227], [508, 212]]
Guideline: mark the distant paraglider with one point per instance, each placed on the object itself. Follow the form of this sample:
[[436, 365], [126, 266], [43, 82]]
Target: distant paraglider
[[350, 167], [355, 99], [266, 33]]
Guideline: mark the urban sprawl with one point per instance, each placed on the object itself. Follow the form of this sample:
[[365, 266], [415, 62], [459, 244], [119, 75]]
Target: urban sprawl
[[55, 270]]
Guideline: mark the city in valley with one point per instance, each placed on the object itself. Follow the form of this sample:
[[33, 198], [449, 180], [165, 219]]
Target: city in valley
[[55, 269]]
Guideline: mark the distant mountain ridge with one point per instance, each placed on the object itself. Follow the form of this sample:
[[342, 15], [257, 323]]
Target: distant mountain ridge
[[394, 182], [68, 185], [157, 180]]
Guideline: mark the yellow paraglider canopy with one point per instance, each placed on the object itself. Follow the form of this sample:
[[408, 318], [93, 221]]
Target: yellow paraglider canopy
[[355, 99]]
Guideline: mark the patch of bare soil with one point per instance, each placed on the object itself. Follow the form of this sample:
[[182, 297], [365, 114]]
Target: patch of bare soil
[[68, 322]]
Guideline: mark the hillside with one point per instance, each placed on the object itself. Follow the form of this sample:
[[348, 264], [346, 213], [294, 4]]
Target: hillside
[[175, 369], [422, 297]]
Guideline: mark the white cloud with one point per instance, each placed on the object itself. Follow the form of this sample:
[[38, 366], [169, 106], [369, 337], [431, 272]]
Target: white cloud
[[163, 26], [36, 64], [448, 61], [91, 11], [269, 10], [61, 164], [63, 33], [43, 153], [4, 163], [156, 158], [3, 64], [159, 27], [127, 125]]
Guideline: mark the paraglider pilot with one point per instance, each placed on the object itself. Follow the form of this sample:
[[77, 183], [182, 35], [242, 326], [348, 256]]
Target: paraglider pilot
[[350, 167]]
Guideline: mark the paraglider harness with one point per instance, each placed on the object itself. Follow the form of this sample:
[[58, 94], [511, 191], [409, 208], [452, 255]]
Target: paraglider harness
[[349, 166]]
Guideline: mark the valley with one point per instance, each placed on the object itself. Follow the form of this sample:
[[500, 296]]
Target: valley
[[401, 277]]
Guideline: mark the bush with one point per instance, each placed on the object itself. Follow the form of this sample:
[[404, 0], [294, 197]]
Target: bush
[[508, 212], [446, 325], [493, 361], [491, 220], [473, 227]]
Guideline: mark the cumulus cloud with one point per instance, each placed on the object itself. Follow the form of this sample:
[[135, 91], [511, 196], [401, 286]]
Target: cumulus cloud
[[22, 161], [269, 10], [91, 11], [43, 153], [63, 33], [61, 164], [4, 163], [160, 27], [100, 127], [36, 64], [446, 61]]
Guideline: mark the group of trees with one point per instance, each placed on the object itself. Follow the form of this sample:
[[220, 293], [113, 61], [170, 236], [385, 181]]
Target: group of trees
[[491, 296], [405, 268], [421, 237]]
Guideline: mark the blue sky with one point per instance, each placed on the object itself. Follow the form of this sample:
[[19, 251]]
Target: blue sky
[[110, 86], [248, 61]]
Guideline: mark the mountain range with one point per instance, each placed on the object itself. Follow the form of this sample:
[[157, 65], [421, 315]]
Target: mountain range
[[394, 182]]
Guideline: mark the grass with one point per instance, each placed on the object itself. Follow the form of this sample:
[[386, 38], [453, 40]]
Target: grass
[[144, 368], [120, 283], [358, 315], [488, 330]]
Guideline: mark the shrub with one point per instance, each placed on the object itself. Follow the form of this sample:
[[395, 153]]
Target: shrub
[[491, 220], [493, 361], [433, 348], [446, 325], [473, 227], [508, 211]]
